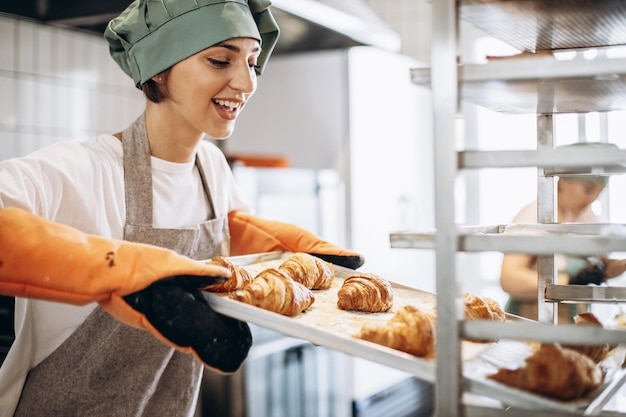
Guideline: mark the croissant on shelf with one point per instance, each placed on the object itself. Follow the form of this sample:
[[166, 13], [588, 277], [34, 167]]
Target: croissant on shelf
[[365, 292], [410, 330], [240, 276], [308, 270], [482, 308], [595, 353], [554, 371], [273, 290]]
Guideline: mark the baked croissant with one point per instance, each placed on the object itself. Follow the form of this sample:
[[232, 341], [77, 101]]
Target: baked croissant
[[308, 270], [273, 290], [555, 372], [238, 279], [484, 308], [595, 353], [410, 330], [365, 292]]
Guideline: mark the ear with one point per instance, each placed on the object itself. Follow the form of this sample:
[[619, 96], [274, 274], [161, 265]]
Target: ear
[[159, 78]]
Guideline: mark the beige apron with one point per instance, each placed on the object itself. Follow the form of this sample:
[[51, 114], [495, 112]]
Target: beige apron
[[106, 368]]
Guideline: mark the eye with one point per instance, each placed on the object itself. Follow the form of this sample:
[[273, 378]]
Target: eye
[[218, 63]]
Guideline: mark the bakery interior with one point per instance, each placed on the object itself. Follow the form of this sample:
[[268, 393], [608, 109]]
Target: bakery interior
[[359, 147]]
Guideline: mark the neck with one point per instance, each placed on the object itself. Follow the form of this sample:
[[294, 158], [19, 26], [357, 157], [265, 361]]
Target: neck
[[568, 216], [170, 139]]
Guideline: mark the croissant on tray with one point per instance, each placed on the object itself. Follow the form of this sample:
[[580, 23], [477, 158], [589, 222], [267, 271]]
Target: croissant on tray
[[240, 276], [595, 353], [273, 290], [410, 330], [555, 372], [308, 270], [365, 292], [485, 308]]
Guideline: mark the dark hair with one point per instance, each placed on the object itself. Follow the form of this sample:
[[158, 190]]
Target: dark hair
[[155, 91]]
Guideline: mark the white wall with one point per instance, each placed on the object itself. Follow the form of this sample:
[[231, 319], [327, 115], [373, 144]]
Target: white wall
[[412, 20], [355, 112], [300, 111], [57, 84]]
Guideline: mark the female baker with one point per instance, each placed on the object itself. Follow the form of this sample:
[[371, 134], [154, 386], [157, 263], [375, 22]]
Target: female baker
[[518, 277], [142, 200]]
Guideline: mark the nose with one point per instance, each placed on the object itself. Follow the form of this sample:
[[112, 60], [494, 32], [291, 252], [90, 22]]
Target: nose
[[244, 79]]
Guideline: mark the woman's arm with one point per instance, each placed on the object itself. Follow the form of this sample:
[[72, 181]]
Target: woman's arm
[[519, 278], [613, 267]]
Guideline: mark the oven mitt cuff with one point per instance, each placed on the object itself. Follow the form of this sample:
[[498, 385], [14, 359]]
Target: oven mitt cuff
[[251, 234], [55, 262], [143, 286]]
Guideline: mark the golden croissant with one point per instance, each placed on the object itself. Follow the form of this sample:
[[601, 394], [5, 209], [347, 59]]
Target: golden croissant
[[273, 290], [238, 279], [308, 270], [484, 308], [365, 292], [410, 330], [595, 353], [554, 372]]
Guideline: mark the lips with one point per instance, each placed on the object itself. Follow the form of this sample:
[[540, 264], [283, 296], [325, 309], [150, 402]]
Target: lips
[[227, 109]]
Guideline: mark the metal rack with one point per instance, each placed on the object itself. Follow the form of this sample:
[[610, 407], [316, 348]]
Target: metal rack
[[534, 83]]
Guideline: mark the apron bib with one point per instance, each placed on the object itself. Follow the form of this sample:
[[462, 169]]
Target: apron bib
[[106, 368]]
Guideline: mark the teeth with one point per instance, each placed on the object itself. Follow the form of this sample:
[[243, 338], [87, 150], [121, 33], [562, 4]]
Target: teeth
[[227, 103]]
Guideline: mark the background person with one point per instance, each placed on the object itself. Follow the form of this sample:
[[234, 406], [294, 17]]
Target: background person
[[519, 277]]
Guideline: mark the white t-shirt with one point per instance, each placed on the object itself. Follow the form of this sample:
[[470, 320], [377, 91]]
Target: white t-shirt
[[81, 184]]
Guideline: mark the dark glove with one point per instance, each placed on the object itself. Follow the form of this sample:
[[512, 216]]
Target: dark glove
[[592, 274], [251, 234], [176, 308]]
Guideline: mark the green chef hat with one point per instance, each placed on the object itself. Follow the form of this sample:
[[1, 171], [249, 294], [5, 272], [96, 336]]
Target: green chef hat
[[152, 35], [589, 177]]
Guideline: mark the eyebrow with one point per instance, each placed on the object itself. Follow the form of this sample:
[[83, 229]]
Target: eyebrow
[[234, 48]]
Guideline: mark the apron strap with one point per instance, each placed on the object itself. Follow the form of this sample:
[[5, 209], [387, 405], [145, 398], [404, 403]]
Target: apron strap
[[137, 173]]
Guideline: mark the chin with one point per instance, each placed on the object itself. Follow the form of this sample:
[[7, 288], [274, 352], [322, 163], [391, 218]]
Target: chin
[[220, 135]]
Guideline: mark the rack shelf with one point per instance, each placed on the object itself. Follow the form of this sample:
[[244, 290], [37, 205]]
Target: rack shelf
[[568, 160], [539, 239], [541, 84], [535, 25]]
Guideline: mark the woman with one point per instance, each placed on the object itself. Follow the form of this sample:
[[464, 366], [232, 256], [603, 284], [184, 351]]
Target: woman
[[519, 271], [156, 183]]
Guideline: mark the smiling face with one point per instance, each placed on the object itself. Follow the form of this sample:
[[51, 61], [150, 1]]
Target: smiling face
[[207, 91]]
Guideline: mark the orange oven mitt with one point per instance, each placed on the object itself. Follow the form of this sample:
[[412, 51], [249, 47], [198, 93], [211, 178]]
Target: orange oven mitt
[[144, 286], [250, 234]]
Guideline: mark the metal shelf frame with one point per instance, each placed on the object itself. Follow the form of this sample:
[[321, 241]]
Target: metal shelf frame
[[535, 84]]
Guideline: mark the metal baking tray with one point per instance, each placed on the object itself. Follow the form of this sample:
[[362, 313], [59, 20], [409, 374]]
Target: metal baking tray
[[324, 324]]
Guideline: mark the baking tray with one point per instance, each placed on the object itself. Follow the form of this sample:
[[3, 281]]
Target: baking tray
[[324, 324]]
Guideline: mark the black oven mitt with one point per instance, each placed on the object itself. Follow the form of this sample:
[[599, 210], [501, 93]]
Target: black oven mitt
[[176, 308], [593, 274]]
